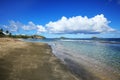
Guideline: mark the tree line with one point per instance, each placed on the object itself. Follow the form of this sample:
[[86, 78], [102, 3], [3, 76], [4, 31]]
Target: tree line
[[8, 34], [5, 33]]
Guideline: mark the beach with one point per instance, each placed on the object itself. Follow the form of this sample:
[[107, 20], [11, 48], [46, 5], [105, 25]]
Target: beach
[[21, 60]]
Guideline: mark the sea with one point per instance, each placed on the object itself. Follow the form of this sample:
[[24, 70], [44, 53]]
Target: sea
[[88, 59]]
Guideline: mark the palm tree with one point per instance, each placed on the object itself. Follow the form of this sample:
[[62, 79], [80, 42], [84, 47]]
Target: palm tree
[[1, 30], [10, 34], [7, 31], [1, 33]]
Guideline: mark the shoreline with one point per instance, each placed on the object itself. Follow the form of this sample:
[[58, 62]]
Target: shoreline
[[21, 60], [85, 67]]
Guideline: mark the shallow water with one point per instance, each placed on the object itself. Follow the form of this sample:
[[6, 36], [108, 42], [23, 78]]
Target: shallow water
[[89, 59]]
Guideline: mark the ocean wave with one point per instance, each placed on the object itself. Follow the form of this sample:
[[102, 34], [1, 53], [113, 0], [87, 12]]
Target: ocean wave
[[76, 40]]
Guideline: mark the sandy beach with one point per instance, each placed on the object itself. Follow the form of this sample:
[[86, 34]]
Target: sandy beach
[[30, 61]]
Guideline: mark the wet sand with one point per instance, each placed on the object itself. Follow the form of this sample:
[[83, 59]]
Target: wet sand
[[30, 61]]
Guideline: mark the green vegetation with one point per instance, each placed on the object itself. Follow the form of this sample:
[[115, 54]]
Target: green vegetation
[[5, 33], [8, 34], [63, 37], [26, 36], [94, 37], [38, 37], [1, 33]]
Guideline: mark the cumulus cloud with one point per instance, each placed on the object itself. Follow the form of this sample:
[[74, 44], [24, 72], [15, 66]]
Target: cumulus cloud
[[40, 29], [15, 26], [29, 26], [79, 24], [32, 26]]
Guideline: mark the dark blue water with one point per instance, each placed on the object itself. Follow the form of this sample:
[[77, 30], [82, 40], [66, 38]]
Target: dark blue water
[[99, 57]]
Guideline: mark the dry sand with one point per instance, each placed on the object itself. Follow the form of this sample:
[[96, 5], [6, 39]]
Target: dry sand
[[30, 61]]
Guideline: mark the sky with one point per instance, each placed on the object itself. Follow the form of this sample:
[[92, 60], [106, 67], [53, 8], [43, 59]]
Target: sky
[[56, 18]]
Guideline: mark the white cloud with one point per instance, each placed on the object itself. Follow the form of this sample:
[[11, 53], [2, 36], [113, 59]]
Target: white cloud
[[29, 26], [73, 25], [79, 24], [17, 26], [40, 29], [32, 26], [13, 26]]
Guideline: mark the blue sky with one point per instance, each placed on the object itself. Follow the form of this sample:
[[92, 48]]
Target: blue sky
[[55, 18]]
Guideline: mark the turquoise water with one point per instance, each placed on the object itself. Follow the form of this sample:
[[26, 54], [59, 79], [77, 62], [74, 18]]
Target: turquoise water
[[105, 53], [96, 58]]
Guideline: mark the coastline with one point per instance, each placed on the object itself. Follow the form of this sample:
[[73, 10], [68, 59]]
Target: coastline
[[85, 67], [21, 60]]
